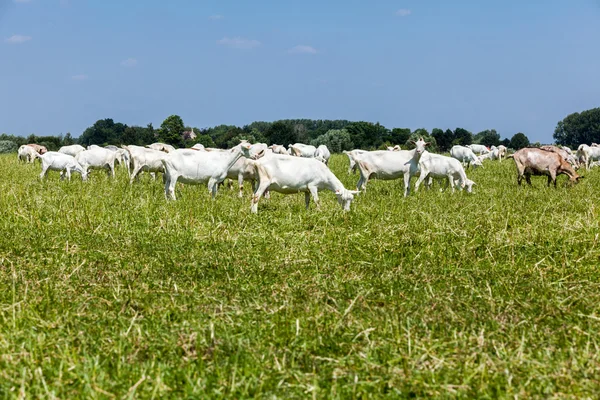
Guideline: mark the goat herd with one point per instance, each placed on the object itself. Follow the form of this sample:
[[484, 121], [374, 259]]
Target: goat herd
[[304, 168]]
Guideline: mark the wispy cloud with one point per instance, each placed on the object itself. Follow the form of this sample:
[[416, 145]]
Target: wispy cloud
[[130, 62], [16, 39], [80, 77], [238, 42], [302, 49], [216, 17], [403, 12]]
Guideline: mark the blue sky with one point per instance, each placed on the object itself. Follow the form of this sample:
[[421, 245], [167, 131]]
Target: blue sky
[[508, 65]]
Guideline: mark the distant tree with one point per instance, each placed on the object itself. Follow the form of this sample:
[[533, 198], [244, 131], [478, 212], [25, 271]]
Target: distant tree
[[487, 138], [104, 131], [320, 127], [147, 135], [204, 140], [7, 146], [518, 141], [171, 130], [301, 132], [257, 136], [305, 129], [138, 135], [19, 140], [281, 133], [260, 126], [398, 136], [222, 134], [462, 137], [422, 133], [336, 140], [52, 143], [68, 140], [254, 136], [443, 138], [366, 134], [505, 142], [578, 128]]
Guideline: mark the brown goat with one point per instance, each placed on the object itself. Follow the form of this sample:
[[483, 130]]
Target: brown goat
[[40, 149], [534, 161]]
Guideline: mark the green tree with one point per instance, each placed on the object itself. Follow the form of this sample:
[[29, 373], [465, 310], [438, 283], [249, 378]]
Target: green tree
[[19, 140], [443, 138], [462, 137], [518, 141], [204, 140], [222, 134], [7, 146], [367, 134], [281, 133], [336, 140], [257, 136], [138, 135], [254, 136], [104, 131], [260, 126], [398, 136], [424, 134], [579, 128], [171, 130], [68, 140], [489, 137]]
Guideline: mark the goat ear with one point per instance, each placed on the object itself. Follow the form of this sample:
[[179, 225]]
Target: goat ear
[[427, 143], [259, 155], [411, 141]]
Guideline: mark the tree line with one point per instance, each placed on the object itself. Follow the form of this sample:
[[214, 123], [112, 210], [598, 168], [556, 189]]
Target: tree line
[[337, 135]]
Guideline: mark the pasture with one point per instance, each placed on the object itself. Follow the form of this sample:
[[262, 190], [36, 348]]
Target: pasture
[[110, 291]]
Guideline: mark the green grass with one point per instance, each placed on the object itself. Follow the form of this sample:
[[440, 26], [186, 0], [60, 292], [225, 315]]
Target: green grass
[[109, 291]]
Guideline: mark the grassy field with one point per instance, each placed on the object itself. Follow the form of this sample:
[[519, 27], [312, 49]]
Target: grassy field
[[109, 291]]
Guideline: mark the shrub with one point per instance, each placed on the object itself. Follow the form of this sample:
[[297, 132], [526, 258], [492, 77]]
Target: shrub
[[7, 146], [336, 140]]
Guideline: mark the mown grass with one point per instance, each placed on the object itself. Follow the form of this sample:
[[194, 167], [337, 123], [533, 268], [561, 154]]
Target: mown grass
[[110, 291]]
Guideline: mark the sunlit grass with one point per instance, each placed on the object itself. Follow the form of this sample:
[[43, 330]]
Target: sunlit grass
[[110, 291]]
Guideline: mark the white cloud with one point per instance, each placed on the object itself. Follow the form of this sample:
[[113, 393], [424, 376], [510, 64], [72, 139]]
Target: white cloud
[[15, 39], [403, 12], [302, 49], [130, 62], [80, 77], [239, 42], [216, 17]]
